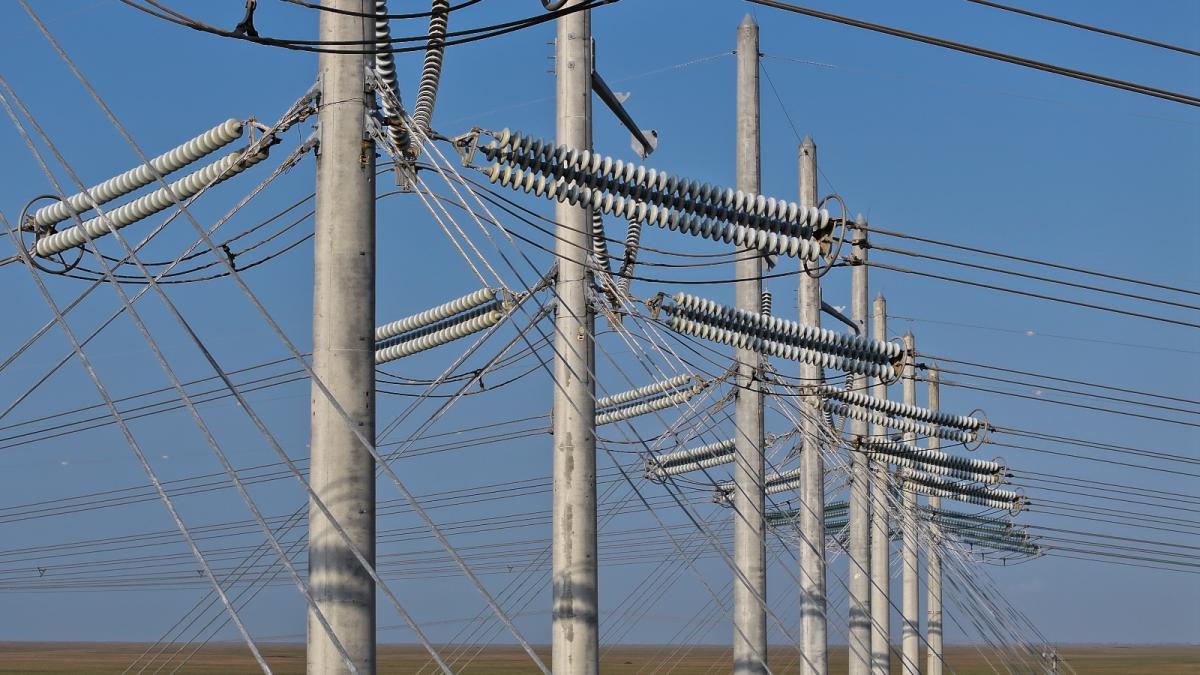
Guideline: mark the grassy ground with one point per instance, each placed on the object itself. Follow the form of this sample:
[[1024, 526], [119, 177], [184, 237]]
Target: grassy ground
[[107, 658]]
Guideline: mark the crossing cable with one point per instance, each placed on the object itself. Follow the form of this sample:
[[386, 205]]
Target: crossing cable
[[366, 443], [1093, 29], [477, 374], [1024, 259], [97, 282], [1070, 404], [1033, 277], [141, 457], [1073, 392], [237, 394], [1145, 90], [410, 15], [161, 11], [485, 208], [975, 364], [1030, 333], [1029, 294]]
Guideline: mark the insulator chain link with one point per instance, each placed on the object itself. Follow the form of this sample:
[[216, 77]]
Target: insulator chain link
[[140, 176], [774, 483], [646, 407], [435, 314], [900, 424], [936, 469], [964, 498], [788, 331], [599, 241], [691, 459], [385, 70], [635, 181], [630, 209], [148, 205], [986, 492], [643, 392], [431, 71], [633, 242], [899, 409], [452, 331], [899, 448]]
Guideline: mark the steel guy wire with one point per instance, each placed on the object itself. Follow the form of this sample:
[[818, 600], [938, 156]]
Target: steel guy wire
[[243, 404], [366, 443], [126, 432], [138, 453], [146, 240]]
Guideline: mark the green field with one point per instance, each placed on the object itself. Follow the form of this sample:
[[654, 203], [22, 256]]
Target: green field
[[111, 658]]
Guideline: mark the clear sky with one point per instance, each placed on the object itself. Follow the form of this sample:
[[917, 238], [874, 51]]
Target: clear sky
[[921, 140]]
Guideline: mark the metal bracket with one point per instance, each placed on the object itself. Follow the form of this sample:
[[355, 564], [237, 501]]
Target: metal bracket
[[645, 141], [467, 144]]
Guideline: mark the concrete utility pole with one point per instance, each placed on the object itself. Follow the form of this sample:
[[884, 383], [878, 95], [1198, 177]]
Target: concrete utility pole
[[750, 582], [575, 634], [910, 644], [881, 571], [860, 493], [933, 564], [814, 659], [342, 471]]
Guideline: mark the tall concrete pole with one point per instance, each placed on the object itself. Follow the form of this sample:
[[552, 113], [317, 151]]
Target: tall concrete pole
[[575, 634], [860, 493], [814, 642], [910, 643], [342, 471], [750, 583], [933, 564], [881, 572]]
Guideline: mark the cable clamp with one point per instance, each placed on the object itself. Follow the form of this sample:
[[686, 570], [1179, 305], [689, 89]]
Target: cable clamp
[[466, 145]]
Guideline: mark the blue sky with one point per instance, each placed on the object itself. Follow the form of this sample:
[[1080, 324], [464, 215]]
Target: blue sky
[[921, 140]]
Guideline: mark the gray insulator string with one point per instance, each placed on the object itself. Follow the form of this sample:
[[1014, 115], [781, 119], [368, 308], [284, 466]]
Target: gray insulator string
[[431, 71]]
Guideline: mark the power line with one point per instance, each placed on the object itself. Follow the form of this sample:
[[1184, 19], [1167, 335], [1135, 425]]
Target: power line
[[1034, 277], [1043, 376], [1032, 333], [1145, 90], [1084, 26], [1031, 294], [1025, 259]]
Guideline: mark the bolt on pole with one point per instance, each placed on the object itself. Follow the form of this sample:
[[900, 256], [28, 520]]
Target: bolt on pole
[[910, 643], [575, 618], [881, 580], [750, 581], [814, 641], [859, 563], [342, 471], [933, 563]]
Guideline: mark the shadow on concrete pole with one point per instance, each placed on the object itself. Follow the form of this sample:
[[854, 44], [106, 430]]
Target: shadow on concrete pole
[[910, 639], [750, 582], [574, 634], [859, 564], [814, 640], [881, 570], [342, 471], [933, 563]]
